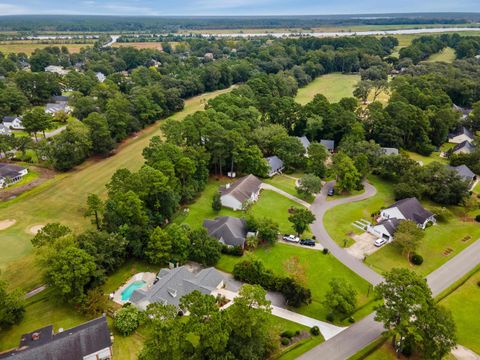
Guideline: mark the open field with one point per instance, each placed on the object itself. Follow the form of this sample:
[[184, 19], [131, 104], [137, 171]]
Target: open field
[[62, 199], [319, 270], [446, 55], [334, 86], [139, 45], [29, 47]]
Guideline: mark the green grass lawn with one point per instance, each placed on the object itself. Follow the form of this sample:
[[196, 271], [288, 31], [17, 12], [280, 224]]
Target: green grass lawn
[[334, 86], [283, 182], [319, 270], [338, 220], [63, 198], [464, 304], [476, 189], [31, 175], [446, 55], [425, 160]]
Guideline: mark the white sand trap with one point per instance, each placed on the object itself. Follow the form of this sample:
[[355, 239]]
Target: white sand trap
[[4, 224], [35, 229]]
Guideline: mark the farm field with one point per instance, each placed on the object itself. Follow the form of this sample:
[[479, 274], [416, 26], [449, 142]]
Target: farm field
[[319, 270], [334, 86], [446, 55], [139, 45], [29, 47], [62, 199]]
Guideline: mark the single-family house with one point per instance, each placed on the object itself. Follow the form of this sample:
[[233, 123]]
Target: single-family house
[[390, 151], [329, 144], [228, 230], [11, 174], [244, 190], [100, 77], [305, 142], [89, 341], [53, 108], [172, 284], [405, 209], [56, 70], [460, 135], [13, 122], [465, 173], [4, 130], [465, 147], [275, 165]]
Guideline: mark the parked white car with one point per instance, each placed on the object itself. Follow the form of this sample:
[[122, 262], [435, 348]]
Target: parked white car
[[380, 242], [291, 238]]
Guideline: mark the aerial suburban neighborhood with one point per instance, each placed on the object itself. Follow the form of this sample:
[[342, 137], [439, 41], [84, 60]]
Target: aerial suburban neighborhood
[[239, 182]]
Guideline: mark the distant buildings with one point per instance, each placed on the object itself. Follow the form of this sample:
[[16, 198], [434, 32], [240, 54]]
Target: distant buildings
[[11, 174], [100, 77], [57, 104], [56, 70], [13, 122]]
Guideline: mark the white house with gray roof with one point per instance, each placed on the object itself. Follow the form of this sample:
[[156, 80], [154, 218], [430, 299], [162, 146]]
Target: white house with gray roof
[[464, 172], [244, 190], [13, 122], [173, 284], [228, 230], [329, 145], [460, 135], [390, 151], [275, 165], [465, 147]]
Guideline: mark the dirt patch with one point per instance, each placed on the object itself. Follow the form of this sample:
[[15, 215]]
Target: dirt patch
[[4, 224], [35, 229], [43, 175]]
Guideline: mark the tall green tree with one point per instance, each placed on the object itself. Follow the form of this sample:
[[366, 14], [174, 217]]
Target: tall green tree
[[348, 177], [341, 298], [408, 237], [12, 306], [300, 219], [159, 247], [95, 207], [36, 120]]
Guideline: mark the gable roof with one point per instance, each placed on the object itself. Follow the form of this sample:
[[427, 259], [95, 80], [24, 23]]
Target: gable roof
[[175, 283], [411, 209], [59, 98], [389, 224], [464, 172], [461, 131], [10, 170], [56, 106], [10, 119], [305, 142], [390, 151], [71, 344], [275, 163], [232, 231], [4, 130], [329, 144], [467, 145], [243, 188]]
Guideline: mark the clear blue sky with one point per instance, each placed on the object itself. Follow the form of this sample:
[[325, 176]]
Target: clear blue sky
[[232, 7]]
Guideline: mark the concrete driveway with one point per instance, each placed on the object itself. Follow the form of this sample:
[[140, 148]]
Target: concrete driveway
[[364, 246]]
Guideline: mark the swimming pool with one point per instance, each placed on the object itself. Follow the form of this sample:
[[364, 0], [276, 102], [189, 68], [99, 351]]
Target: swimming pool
[[127, 293]]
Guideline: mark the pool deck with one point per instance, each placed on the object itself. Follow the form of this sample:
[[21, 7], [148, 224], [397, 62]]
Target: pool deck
[[148, 277]]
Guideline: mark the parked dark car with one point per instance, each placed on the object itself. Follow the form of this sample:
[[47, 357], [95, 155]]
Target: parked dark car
[[331, 191], [307, 242]]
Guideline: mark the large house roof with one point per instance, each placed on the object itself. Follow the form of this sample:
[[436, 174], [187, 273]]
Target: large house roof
[[464, 172], [243, 188], [464, 144], [275, 163], [461, 131], [10, 119], [232, 231], [390, 224], [59, 98], [71, 344], [10, 170], [305, 142], [175, 283], [390, 151], [411, 209], [329, 144]]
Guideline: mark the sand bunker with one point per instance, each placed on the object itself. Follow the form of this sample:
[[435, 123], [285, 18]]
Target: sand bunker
[[4, 224], [35, 229]]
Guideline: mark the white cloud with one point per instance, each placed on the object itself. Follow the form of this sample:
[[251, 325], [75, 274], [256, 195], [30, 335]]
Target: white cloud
[[9, 9]]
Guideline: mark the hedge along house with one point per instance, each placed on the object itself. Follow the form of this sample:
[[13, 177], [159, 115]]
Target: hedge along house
[[243, 191], [405, 209]]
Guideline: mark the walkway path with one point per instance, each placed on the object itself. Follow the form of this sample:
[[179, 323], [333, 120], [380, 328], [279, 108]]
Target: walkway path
[[284, 193], [319, 208]]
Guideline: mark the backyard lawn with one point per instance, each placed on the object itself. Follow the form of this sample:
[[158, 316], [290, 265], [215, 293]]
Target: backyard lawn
[[425, 160], [319, 270], [334, 86], [63, 198], [446, 55]]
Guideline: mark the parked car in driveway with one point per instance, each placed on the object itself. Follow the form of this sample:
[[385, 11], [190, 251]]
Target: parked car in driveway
[[331, 191], [291, 238], [307, 242], [380, 242]]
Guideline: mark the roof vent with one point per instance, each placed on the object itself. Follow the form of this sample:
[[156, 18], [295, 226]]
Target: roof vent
[[36, 336], [172, 292]]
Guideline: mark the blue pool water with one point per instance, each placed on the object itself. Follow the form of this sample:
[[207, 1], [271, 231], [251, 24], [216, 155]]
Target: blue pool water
[[131, 288]]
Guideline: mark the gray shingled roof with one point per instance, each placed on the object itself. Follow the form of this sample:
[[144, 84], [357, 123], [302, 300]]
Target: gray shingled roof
[[461, 131], [243, 188], [230, 230], [56, 106], [305, 142], [175, 283], [412, 210], [59, 98], [275, 163], [71, 344], [464, 144], [390, 151], [390, 224], [10, 170], [329, 144], [464, 172]]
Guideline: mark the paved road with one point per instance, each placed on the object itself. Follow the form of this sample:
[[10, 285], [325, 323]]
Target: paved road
[[319, 208], [362, 333]]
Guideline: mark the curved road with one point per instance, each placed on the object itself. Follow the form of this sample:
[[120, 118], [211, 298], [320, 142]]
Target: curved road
[[356, 337]]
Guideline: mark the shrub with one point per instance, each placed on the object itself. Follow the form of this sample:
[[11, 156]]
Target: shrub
[[127, 319], [429, 224], [325, 251], [417, 259], [297, 332], [478, 283], [285, 341], [287, 334], [232, 250], [351, 320], [330, 317], [314, 237], [315, 331], [477, 218]]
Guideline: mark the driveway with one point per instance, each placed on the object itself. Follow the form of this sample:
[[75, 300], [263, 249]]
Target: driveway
[[364, 246]]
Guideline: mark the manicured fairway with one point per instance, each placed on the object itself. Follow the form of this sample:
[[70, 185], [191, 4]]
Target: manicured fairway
[[446, 55], [62, 199], [334, 86]]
